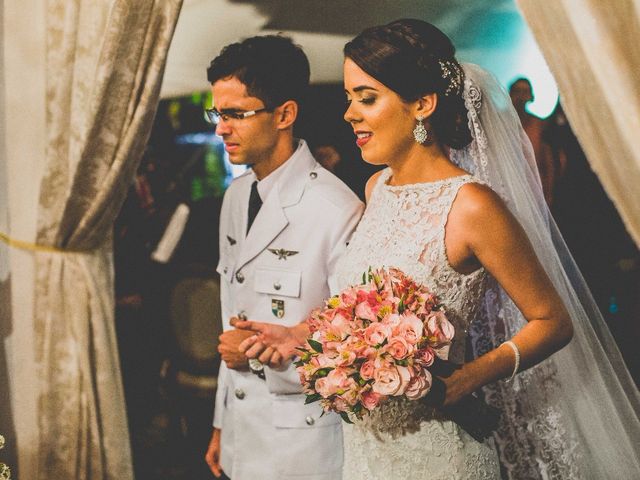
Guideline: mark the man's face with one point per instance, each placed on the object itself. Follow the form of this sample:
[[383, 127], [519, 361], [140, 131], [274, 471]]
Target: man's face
[[250, 140], [521, 94]]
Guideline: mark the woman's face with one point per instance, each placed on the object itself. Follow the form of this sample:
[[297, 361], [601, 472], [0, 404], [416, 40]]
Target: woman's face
[[382, 121]]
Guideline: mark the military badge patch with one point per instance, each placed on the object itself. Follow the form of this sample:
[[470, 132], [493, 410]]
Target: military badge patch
[[277, 307]]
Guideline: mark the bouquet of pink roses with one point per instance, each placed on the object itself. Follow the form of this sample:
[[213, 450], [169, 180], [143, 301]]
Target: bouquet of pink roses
[[371, 342]]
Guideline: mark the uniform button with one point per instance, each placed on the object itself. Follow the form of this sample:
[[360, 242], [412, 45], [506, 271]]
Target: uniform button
[[226, 269], [277, 286], [240, 277], [310, 421], [313, 175], [239, 393]]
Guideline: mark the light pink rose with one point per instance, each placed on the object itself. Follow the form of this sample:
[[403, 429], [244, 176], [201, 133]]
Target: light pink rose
[[439, 328], [398, 348], [391, 380], [426, 356], [371, 399], [323, 388], [338, 380], [419, 386], [376, 333], [410, 327]]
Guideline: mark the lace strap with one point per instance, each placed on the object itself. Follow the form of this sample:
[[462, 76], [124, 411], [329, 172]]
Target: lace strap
[[380, 182]]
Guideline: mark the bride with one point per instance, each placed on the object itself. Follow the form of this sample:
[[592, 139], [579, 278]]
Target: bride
[[460, 209]]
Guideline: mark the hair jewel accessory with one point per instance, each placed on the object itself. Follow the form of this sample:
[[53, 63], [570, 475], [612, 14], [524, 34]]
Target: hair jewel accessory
[[420, 133], [452, 73]]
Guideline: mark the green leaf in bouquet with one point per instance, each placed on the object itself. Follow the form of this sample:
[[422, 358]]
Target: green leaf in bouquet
[[317, 346], [322, 372], [312, 398], [364, 277], [345, 417], [401, 306]]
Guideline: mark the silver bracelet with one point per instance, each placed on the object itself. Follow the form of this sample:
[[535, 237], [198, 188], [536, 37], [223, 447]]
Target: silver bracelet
[[516, 351]]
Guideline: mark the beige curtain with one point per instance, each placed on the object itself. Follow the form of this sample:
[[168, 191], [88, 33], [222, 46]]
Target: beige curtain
[[591, 47], [104, 65]]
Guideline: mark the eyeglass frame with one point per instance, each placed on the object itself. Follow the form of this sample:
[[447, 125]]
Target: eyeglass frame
[[212, 113]]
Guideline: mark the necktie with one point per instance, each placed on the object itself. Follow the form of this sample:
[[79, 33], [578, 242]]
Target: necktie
[[255, 202]]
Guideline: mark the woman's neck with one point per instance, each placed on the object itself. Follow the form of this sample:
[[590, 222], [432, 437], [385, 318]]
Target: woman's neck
[[422, 164]]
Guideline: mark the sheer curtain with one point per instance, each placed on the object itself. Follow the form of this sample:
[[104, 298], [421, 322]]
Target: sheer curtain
[[104, 65], [591, 47]]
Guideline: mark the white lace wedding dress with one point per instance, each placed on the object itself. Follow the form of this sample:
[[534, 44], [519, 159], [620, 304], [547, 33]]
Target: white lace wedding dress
[[404, 227]]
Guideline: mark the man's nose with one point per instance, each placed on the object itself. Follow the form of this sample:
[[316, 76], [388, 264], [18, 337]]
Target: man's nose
[[222, 128]]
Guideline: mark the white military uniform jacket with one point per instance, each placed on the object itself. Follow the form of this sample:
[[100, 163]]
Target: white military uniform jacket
[[279, 273]]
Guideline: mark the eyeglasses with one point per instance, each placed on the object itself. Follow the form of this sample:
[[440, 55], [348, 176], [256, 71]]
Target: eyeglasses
[[214, 116]]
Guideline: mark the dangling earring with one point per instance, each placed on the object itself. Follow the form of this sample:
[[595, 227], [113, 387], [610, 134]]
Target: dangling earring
[[420, 133]]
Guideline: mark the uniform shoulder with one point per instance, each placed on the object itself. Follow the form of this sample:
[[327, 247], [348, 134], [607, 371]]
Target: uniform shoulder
[[240, 180], [331, 189]]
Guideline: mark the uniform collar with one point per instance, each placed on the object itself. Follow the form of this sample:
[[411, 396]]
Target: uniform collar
[[289, 179]]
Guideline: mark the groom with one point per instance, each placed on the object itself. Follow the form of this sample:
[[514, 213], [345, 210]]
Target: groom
[[283, 226]]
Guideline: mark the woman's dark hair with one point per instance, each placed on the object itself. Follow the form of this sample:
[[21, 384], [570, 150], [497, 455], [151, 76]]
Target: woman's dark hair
[[414, 58], [272, 68]]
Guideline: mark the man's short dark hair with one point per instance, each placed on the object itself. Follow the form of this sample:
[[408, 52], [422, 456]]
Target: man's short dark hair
[[272, 68]]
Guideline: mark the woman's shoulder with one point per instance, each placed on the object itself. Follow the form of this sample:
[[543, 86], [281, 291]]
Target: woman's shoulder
[[477, 202]]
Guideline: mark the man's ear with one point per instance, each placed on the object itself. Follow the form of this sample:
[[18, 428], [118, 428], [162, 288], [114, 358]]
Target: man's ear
[[426, 105], [286, 114]]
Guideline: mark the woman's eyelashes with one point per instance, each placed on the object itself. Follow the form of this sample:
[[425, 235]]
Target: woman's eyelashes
[[364, 101]]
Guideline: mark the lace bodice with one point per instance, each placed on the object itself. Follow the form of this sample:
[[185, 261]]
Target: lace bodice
[[404, 227]]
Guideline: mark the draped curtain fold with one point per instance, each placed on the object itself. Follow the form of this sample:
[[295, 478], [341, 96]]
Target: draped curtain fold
[[104, 66], [592, 50]]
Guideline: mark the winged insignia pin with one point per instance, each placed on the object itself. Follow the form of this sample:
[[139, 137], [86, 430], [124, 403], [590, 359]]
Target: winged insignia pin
[[282, 253], [232, 241]]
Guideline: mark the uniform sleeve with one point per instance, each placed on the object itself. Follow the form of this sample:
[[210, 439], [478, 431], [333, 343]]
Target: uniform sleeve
[[349, 222], [221, 393]]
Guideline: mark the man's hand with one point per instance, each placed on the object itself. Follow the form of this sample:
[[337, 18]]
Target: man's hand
[[212, 457], [271, 343], [228, 348]]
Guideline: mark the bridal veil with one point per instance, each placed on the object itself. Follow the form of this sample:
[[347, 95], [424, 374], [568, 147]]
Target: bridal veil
[[575, 415]]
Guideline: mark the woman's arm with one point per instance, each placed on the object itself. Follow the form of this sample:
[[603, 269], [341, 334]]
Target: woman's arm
[[491, 236]]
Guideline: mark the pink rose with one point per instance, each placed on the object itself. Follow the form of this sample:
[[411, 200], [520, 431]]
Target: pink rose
[[367, 370], [376, 333], [426, 356], [391, 380], [398, 348], [419, 386], [371, 399]]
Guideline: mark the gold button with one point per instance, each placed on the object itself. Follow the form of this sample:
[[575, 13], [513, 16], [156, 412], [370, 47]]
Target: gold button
[[313, 175], [277, 286], [240, 277], [239, 393], [310, 421]]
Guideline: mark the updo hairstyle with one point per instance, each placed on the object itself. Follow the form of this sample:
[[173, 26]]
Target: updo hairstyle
[[413, 58]]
